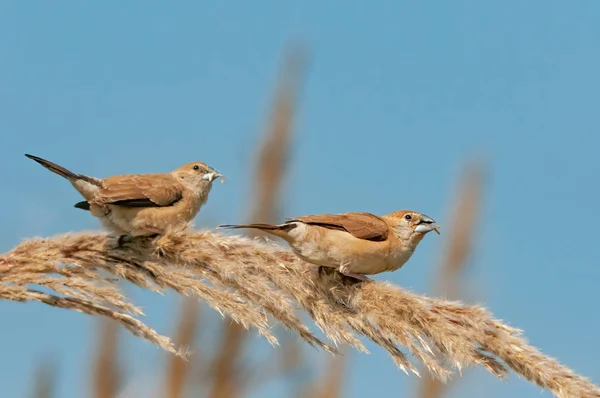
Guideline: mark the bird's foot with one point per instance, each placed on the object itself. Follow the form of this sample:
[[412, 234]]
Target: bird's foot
[[315, 269], [360, 277], [123, 239]]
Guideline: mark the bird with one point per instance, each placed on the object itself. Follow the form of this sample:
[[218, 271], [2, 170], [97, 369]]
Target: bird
[[141, 205], [356, 243]]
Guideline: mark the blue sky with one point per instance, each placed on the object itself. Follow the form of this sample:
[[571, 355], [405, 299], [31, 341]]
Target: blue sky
[[398, 96]]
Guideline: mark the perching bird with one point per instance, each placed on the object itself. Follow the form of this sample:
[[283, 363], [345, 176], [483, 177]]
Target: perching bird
[[357, 244], [142, 204]]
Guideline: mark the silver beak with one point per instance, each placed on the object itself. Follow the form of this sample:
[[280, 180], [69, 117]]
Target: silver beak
[[427, 224], [211, 175]]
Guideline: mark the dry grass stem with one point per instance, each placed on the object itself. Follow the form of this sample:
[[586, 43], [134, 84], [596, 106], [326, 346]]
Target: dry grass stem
[[273, 154], [464, 215], [442, 334], [224, 374], [186, 331], [281, 365], [462, 230], [44, 380], [332, 383], [107, 375], [431, 388], [272, 159]]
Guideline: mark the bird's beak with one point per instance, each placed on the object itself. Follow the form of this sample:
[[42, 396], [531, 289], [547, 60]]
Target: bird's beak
[[212, 175], [427, 224]]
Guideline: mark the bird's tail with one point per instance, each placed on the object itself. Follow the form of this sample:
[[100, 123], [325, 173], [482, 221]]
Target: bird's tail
[[253, 226], [277, 230], [61, 171]]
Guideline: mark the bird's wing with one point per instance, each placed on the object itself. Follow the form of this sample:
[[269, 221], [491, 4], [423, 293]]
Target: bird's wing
[[142, 190], [361, 225]]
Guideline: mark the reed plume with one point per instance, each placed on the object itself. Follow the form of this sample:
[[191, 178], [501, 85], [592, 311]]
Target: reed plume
[[269, 172], [257, 284], [448, 283]]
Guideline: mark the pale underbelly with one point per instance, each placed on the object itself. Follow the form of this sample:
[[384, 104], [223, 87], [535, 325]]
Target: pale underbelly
[[143, 222], [336, 249], [363, 263]]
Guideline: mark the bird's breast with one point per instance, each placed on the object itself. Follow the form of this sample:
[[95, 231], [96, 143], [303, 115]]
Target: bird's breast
[[398, 257]]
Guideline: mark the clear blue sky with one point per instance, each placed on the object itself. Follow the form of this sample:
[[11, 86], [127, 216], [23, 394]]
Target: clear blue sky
[[397, 97]]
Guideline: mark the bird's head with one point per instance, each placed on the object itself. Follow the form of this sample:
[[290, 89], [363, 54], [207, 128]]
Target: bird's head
[[411, 226], [196, 175]]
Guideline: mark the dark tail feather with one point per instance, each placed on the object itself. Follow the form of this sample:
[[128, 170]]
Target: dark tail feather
[[61, 171], [53, 167], [83, 205], [255, 226], [264, 227]]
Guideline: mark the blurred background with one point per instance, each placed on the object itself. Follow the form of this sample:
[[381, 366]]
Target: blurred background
[[482, 116]]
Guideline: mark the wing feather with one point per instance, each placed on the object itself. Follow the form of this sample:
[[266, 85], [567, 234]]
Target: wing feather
[[143, 190], [365, 226]]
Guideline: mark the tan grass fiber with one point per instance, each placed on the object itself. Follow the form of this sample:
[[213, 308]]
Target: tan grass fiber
[[255, 283]]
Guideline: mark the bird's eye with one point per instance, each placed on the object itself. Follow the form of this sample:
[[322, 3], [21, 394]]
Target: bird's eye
[[408, 217], [196, 167]]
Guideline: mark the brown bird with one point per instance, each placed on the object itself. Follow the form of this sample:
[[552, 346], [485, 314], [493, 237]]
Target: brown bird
[[356, 244], [142, 204]]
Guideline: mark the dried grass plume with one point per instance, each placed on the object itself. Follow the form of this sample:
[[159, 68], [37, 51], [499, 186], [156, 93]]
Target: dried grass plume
[[256, 284]]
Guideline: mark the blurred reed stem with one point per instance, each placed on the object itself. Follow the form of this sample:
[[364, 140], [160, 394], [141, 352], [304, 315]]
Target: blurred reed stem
[[464, 215], [178, 369], [44, 380], [269, 175], [107, 375]]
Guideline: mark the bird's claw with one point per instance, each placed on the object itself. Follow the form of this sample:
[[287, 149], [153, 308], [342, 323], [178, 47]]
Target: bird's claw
[[123, 239], [359, 277]]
